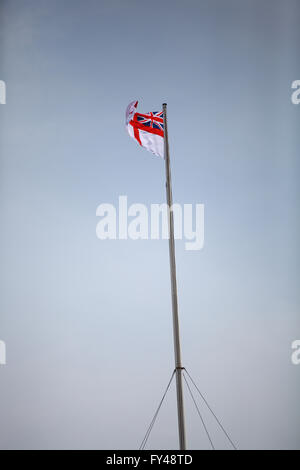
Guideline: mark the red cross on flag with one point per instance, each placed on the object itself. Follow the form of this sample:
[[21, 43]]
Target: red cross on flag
[[146, 129]]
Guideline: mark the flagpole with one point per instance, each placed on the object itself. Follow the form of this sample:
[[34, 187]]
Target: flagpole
[[178, 364]]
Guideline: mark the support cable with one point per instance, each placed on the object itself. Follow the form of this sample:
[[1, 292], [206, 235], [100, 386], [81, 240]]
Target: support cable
[[198, 411], [212, 412], [144, 441]]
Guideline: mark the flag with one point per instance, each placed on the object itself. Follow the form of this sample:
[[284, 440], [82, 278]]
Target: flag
[[147, 129]]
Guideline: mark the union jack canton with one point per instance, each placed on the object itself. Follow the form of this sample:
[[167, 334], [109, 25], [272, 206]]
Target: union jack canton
[[146, 129]]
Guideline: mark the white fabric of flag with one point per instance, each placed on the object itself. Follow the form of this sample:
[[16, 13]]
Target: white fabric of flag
[[147, 129]]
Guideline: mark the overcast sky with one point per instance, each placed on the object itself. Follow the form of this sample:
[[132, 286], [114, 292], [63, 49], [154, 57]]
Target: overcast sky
[[87, 323]]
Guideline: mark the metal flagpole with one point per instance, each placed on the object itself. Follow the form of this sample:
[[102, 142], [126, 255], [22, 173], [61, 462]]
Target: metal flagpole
[[178, 365]]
